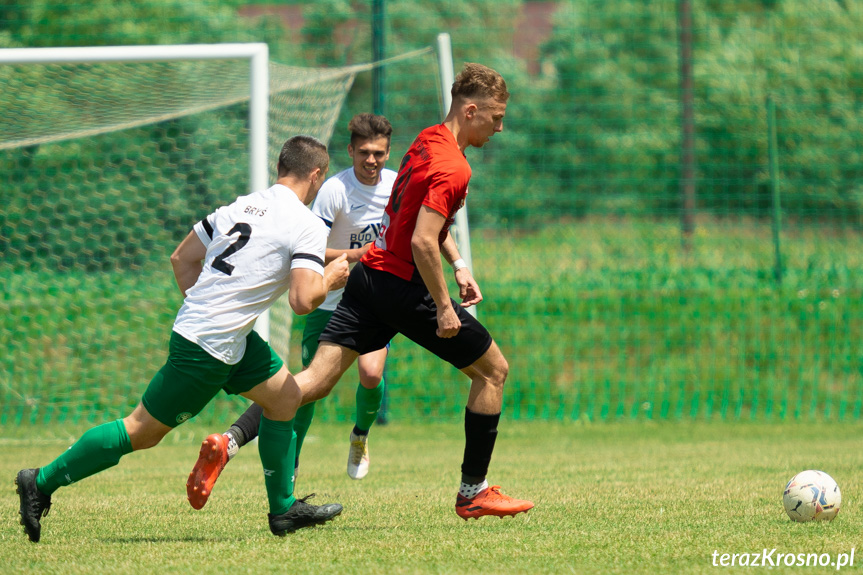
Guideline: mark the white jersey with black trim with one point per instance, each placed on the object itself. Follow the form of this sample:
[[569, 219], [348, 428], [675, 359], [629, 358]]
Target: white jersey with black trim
[[252, 245], [352, 212]]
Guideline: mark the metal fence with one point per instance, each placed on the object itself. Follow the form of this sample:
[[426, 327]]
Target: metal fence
[[644, 249]]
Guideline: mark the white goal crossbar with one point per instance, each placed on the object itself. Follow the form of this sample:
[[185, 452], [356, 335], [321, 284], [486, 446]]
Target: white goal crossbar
[[256, 53]]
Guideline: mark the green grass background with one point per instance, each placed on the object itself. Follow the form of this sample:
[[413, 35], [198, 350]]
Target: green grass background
[[610, 498], [600, 319]]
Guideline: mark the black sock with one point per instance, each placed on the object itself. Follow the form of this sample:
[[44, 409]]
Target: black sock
[[246, 427], [358, 431], [480, 433]]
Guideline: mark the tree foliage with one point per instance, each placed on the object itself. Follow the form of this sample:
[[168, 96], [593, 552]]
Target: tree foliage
[[596, 130]]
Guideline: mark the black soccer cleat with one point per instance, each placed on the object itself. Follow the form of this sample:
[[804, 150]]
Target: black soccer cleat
[[34, 503], [302, 514]]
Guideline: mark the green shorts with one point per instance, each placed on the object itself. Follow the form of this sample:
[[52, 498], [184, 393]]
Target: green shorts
[[192, 377], [315, 324]]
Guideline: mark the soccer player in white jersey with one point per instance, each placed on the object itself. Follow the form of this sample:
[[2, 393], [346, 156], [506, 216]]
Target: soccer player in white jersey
[[230, 268], [351, 204]]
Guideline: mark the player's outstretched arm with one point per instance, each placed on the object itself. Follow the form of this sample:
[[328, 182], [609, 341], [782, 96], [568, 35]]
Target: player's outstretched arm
[[187, 261], [354, 255], [309, 289]]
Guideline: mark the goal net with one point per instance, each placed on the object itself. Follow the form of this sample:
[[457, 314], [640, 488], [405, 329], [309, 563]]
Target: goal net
[[104, 167]]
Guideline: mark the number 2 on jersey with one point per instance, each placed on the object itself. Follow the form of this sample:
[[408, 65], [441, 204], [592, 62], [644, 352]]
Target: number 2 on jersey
[[245, 233]]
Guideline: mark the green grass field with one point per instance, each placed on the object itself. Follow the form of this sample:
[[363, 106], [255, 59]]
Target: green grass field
[[658, 401], [610, 498]]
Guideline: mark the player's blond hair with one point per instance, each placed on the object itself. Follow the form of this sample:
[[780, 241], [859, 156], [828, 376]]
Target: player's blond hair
[[478, 81]]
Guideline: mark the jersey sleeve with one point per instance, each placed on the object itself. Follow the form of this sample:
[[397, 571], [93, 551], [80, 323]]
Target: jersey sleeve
[[330, 202], [444, 189], [205, 229], [310, 247]]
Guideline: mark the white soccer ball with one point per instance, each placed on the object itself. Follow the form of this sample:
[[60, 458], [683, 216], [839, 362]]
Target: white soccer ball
[[812, 495]]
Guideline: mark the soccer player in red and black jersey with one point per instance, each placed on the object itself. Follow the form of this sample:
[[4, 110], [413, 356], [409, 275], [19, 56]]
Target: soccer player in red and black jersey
[[399, 285]]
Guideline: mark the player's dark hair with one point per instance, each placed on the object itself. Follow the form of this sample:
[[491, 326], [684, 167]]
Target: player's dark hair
[[301, 155], [369, 126], [478, 81]]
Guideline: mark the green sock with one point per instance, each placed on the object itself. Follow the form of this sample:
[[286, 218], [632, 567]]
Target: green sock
[[368, 405], [277, 444], [98, 449], [302, 421]]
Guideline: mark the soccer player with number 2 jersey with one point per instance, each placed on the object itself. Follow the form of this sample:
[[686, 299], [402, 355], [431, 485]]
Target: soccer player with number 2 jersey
[[230, 268], [351, 204]]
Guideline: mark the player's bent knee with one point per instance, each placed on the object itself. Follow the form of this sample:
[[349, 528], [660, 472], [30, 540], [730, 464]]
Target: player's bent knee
[[498, 378], [284, 405], [370, 380], [492, 367], [280, 396], [502, 369]]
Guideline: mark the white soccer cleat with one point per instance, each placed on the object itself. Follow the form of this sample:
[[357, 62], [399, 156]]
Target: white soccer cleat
[[358, 456]]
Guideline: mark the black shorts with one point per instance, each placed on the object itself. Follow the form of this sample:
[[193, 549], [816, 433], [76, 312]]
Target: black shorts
[[376, 305]]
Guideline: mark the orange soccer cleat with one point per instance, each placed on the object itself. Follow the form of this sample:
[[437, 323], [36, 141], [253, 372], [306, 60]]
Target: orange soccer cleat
[[490, 501], [211, 462]]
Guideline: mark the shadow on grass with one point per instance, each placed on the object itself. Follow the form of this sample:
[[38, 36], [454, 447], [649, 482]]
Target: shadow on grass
[[174, 539]]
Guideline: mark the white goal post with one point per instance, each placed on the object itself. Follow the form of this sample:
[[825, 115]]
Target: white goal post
[[461, 230], [256, 53]]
